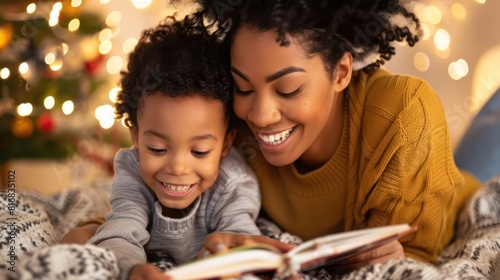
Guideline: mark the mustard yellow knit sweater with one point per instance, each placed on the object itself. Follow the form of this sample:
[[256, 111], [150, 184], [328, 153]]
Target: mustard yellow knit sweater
[[393, 165]]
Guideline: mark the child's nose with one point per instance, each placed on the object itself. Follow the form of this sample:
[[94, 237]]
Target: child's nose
[[178, 165]]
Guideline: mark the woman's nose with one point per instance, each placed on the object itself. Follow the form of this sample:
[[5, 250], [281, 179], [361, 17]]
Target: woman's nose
[[264, 111]]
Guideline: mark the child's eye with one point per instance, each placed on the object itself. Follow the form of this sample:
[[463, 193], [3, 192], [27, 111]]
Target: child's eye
[[238, 91], [157, 151], [200, 154]]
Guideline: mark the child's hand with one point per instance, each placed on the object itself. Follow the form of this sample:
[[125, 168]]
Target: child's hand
[[81, 234], [382, 254], [220, 242], [146, 271]]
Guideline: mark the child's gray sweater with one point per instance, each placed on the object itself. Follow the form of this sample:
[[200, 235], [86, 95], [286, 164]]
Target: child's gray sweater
[[136, 224]]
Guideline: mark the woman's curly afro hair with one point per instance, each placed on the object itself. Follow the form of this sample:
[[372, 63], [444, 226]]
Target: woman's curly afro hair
[[177, 58], [326, 27]]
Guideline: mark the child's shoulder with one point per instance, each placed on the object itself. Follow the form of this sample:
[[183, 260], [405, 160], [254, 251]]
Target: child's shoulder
[[126, 159], [234, 176], [233, 171], [127, 155], [234, 165]]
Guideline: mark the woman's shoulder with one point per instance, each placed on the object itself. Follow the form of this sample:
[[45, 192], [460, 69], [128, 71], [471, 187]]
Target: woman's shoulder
[[395, 90], [397, 103], [391, 94]]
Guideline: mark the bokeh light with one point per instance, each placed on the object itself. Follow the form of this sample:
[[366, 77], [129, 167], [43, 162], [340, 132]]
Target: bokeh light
[[56, 65], [462, 68], [141, 4], [442, 39], [49, 102], [458, 11], [421, 61], [113, 19], [434, 14], [114, 65], [73, 25], [105, 35], [4, 73], [426, 32], [76, 3], [105, 47], [129, 45], [31, 8], [24, 109], [68, 107], [24, 68], [458, 69], [113, 94], [50, 58]]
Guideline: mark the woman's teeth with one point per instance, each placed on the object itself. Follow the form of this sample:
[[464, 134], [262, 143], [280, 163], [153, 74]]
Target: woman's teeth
[[176, 188], [277, 138]]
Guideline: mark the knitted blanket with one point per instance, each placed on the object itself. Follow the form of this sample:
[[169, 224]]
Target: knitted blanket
[[31, 226]]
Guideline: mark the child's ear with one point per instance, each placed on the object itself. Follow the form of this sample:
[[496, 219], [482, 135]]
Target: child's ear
[[133, 134], [228, 142], [343, 73]]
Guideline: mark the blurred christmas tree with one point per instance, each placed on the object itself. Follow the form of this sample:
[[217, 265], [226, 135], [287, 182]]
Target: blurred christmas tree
[[49, 69]]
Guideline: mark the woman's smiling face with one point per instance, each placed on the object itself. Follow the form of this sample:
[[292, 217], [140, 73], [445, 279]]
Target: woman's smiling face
[[285, 96]]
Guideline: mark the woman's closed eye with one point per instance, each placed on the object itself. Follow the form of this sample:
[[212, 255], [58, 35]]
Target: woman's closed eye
[[242, 92], [280, 93], [290, 94]]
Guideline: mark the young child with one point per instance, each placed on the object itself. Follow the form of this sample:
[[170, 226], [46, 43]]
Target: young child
[[181, 180]]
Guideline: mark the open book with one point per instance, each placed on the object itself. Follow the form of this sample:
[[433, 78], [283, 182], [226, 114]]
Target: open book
[[256, 258]]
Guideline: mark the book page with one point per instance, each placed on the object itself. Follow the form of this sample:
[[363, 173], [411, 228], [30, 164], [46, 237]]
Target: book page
[[256, 257], [322, 250], [251, 258]]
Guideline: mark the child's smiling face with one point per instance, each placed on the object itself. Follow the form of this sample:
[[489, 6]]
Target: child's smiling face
[[181, 142]]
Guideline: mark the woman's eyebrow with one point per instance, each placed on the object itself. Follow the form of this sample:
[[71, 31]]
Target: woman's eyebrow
[[283, 72], [238, 72], [271, 77]]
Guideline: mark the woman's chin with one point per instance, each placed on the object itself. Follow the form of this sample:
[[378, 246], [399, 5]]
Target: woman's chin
[[278, 159]]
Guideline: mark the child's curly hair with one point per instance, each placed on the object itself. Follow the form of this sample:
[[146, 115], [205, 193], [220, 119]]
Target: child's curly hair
[[327, 27], [177, 58]]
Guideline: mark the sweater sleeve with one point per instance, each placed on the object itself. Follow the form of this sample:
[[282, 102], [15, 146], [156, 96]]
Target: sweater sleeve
[[125, 230], [235, 205], [410, 176]]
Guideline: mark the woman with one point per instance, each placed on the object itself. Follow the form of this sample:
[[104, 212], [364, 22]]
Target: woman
[[336, 147]]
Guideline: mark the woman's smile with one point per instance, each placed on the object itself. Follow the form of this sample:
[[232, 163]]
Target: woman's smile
[[275, 138]]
